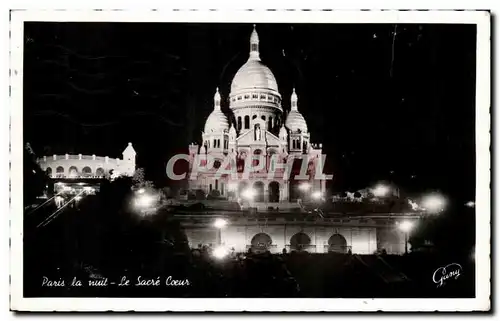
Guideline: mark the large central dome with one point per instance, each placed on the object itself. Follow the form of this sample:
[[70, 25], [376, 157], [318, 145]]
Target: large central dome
[[253, 75]]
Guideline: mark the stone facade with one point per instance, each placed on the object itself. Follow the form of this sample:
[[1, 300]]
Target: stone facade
[[89, 166], [331, 235], [256, 129]]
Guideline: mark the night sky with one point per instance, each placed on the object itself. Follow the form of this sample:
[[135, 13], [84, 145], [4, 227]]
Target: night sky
[[386, 107]]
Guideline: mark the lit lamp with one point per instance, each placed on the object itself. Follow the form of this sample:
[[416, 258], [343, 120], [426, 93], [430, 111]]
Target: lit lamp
[[304, 187], [249, 193], [220, 252], [317, 195], [219, 224], [406, 227], [434, 203], [144, 201], [381, 190]]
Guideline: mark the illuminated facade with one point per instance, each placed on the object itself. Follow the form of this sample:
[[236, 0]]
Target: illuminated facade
[[89, 166], [256, 129]]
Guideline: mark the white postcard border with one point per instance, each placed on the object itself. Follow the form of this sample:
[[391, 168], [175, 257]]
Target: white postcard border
[[483, 141]]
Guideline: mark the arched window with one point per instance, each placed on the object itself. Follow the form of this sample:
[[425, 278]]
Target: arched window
[[73, 171], [59, 171], [270, 123], [86, 171], [99, 172], [239, 123], [255, 161], [254, 116], [263, 117], [247, 122]]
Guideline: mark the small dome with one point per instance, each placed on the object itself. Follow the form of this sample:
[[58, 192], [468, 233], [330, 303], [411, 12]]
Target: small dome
[[253, 74], [216, 122], [295, 121]]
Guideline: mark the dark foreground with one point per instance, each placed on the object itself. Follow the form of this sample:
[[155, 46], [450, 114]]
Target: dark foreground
[[118, 256]]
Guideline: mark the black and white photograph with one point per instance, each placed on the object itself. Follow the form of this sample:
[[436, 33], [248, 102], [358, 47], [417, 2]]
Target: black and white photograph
[[167, 162]]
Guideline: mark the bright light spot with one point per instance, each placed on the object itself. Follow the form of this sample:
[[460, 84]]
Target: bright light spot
[[317, 195], [59, 184], [67, 188], [414, 205], [304, 186], [406, 226], [470, 204], [77, 198], [81, 184], [220, 223], [88, 188], [144, 201], [220, 252], [381, 190], [232, 186], [249, 193], [434, 203], [141, 191]]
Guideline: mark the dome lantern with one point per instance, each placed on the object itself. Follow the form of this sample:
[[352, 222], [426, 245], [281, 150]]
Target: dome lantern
[[294, 101], [295, 121], [217, 100], [217, 121], [254, 45]]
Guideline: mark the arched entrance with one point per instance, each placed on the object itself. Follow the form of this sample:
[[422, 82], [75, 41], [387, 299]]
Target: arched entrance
[[259, 191], [73, 171], [60, 171], [274, 192], [99, 172], [337, 243], [48, 171], [87, 171], [300, 242], [261, 242]]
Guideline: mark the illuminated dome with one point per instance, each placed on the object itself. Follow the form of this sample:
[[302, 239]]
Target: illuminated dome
[[254, 74], [217, 121], [295, 121]]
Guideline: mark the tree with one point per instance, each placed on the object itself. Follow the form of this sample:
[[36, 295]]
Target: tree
[[138, 177]]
